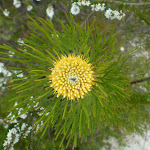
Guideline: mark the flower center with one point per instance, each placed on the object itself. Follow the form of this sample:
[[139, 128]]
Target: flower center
[[73, 79]]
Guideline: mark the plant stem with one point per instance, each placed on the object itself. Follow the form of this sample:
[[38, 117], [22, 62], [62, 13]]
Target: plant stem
[[49, 134], [130, 4], [32, 136], [139, 81], [87, 18]]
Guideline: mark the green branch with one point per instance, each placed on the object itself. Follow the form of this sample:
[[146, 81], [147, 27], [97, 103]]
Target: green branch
[[130, 4], [139, 81]]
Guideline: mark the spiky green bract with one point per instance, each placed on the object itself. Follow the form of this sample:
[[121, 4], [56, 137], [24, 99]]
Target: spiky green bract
[[103, 106]]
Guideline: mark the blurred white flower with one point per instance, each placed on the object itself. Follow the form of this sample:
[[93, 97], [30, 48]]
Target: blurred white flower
[[42, 108], [16, 139], [16, 103], [109, 14], [85, 3], [5, 72], [23, 126], [143, 88], [29, 8], [56, 35], [5, 143], [1, 82], [12, 147], [17, 3], [40, 114], [88, 3], [1, 67], [19, 74], [9, 114], [6, 126], [37, 127], [102, 7], [6, 13], [10, 134], [12, 119], [11, 139], [41, 123], [79, 3], [36, 105], [11, 53], [93, 7], [147, 74], [50, 11], [98, 7], [31, 97], [120, 15], [23, 116], [47, 114], [75, 9], [1, 121], [114, 14], [20, 41], [145, 54], [27, 131], [122, 49]]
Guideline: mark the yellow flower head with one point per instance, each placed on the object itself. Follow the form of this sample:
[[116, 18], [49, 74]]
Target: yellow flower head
[[72, 77]]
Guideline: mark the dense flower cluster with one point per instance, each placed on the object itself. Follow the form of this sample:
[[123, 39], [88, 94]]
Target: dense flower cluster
[[114, 14], [98, 7], [75, 9], [82, 3], [109, 14], [72, 77], [5, 73], [17, 3], [50, 11], [20, 41], [20, 127], [6, 13], [29, 7], [12, 138], [121, 49]]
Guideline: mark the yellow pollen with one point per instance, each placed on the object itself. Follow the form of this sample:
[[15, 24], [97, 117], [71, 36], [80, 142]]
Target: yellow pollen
[[72, 77]]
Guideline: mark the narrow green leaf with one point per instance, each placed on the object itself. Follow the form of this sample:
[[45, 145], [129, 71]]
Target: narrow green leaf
[[80, 124], [65, 110]]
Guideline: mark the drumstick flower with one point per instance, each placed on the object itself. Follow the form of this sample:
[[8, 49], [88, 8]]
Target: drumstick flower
[[72, 77]]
